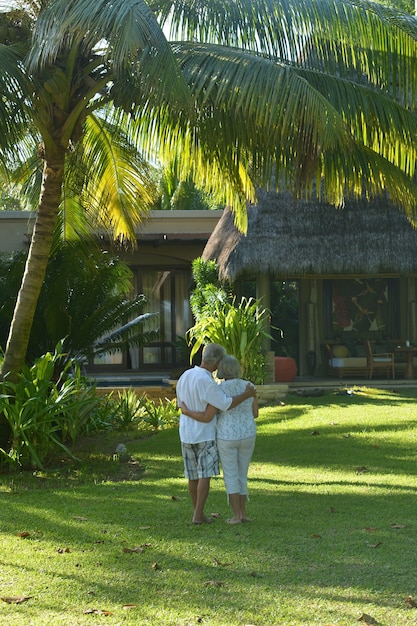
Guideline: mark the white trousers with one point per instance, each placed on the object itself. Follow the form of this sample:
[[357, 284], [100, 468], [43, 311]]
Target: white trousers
[[235, 456]]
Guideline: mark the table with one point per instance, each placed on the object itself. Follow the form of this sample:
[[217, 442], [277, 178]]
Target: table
[[410, 351]]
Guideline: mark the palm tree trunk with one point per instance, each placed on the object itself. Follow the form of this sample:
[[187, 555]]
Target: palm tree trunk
[[39, 251]]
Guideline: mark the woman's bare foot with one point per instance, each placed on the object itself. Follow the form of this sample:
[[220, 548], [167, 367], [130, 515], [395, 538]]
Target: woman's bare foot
[[245, 519], [232, 520]]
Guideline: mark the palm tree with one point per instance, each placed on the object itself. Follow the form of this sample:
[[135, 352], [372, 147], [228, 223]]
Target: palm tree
[[313, 93]]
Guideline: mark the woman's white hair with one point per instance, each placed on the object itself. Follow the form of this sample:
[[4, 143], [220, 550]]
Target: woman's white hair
[[229, 367]]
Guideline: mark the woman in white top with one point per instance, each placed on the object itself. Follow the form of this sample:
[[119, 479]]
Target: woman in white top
[[235, 436]]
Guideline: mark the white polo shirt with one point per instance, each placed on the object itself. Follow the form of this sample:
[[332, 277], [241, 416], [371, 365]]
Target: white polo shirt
[[197, 388]]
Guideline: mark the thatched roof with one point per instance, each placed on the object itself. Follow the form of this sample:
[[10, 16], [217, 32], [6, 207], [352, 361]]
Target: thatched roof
[[289, 238]]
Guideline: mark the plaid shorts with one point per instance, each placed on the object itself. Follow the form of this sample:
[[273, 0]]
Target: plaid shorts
[[201, 460]]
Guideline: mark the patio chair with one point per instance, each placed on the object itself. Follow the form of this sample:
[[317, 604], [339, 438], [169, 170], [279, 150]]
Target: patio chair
[[383, 361], [400, 357]]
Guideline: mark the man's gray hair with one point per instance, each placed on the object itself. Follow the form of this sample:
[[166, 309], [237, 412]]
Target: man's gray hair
[[212, 353], [229, 367]]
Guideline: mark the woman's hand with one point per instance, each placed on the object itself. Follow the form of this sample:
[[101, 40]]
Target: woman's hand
[[184, 409]]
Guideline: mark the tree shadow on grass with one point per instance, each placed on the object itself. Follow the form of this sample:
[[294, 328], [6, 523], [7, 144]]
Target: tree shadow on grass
[[304, 540], [322, 534]]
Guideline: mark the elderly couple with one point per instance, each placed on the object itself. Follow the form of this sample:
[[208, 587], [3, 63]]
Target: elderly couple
[[217, 414]]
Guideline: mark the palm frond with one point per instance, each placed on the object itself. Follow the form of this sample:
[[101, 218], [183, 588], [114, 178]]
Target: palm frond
[[337, 31], [108, 183], [119, 187], [13, 111], [127, 36], [297, 125], [132, 334]]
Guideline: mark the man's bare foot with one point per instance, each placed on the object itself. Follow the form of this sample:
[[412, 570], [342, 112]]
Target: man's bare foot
[[245, 519], [232, 520]]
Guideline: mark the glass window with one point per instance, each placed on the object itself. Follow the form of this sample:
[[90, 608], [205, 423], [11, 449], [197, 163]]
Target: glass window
[[168, 294]]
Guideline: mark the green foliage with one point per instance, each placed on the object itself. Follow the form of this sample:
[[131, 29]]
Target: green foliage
[[14, 27], [175, 193], [9, 197], [240, 328], [128, 409], [220, 318], [207, 287], [45, 413], [11, 272], [86, 298], [139, 412], [285, 311], [161, 414]]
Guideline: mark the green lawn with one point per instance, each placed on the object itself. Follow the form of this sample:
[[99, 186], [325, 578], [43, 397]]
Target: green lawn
[[333, 488]]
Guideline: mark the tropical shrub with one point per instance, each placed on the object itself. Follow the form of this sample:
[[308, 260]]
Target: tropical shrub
[[208, 290], [86, 298], [240, 329], [161, 414], [130, 411], [45, 410], [239, 326]]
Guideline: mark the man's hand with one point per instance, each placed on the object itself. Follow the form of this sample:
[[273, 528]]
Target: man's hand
[[250, 390]]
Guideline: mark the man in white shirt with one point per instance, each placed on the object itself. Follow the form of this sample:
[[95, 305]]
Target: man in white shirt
[[197, 388]]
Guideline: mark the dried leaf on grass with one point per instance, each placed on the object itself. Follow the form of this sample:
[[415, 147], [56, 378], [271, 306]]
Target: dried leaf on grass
[[62, 550], [367, 619], [219, 563], [411, 602], [129, 606], [138, 550], [24, 535], [375, 545], [15, 599], [97, 612], [155, 566], [213, 583], [398, 526]]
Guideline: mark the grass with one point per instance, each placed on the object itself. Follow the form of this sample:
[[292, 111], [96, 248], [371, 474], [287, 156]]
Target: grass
[[332, 492]]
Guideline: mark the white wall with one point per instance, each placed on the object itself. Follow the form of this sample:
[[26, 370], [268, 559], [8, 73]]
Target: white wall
[[15, 230], [16, 226]]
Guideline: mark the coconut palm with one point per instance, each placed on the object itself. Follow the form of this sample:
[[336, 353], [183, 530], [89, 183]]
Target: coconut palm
[[307, 94]]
